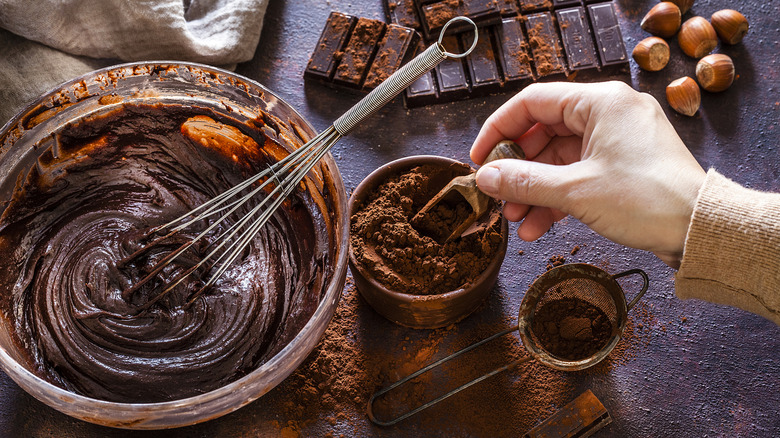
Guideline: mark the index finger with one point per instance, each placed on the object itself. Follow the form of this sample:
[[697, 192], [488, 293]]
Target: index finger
[[556, 103]]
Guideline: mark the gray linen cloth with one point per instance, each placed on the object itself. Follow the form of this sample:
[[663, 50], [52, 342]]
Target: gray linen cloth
[[46, 42]]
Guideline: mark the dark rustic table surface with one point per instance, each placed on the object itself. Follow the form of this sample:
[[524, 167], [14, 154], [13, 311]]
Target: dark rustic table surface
[[687, 368]]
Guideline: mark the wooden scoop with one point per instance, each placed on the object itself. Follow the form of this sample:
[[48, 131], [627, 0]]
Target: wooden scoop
[[466, 186]]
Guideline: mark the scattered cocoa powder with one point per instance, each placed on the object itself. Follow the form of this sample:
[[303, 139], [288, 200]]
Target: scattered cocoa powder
[[407, 259]]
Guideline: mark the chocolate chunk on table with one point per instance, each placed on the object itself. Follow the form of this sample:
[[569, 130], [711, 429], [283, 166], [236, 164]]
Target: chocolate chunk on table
[[451, 76], [434, 15], [325, 58], [402, 12], [577, 40], [482, 67], [609, 39], [513, 53], [545, 45], [396, 48], [535, 5], [359, 52]]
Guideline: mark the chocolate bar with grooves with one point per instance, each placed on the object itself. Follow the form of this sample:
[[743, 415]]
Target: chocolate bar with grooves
[[577, 40], [609, 38], [508, 8], [403, 13], [359, 52], [566, 3], [451, 76], [434, 15], [535, 5], [545, 44], [324, 60]]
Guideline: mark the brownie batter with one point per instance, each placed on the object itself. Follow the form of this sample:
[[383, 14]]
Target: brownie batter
[[105, 182], [408, 259]]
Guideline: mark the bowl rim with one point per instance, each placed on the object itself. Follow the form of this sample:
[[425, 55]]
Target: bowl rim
[[371, 181], [184, 406]]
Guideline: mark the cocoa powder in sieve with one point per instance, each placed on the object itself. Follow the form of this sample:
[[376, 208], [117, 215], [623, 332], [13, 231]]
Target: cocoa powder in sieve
[[571, 328]]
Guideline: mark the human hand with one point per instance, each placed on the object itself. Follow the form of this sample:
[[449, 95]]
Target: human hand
[[603, 153]]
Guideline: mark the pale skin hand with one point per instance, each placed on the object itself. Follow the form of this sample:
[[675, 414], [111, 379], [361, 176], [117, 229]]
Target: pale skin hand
[[603, 153]]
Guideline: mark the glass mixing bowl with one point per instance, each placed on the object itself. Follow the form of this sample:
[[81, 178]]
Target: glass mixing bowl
[[182, 84]]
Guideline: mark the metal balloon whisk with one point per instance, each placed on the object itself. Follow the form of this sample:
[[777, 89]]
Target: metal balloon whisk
[[278, 181]]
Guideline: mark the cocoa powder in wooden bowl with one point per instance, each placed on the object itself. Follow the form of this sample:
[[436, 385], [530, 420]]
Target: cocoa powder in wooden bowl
[[402, 272]]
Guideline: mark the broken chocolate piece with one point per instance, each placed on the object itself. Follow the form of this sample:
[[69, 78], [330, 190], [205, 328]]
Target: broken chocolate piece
[[359, 52], [396, 48], [513, 53], [535, 5], [402, 12], [451, 76], [483, 69], [609, 39], [545, 45], [325, 58], [577, 41]]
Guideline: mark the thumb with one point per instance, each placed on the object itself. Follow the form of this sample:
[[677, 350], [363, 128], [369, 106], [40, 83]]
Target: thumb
[[530, 183]]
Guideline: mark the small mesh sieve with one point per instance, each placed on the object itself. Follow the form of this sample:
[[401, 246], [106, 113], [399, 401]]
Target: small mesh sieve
[[596, 302]]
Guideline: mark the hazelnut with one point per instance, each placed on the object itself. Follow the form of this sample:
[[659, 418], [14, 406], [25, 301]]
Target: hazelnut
[[697, 37], [652, 54], [684, 96], [684, 5], [662, 20], [715, 72], [730, 25]]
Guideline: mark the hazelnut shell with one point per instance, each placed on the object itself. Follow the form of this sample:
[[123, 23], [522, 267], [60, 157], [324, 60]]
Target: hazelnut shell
[[697, 37], [662, 20], [730, 25], [684, 96], [684, 5], [651, 54], [715, 72]]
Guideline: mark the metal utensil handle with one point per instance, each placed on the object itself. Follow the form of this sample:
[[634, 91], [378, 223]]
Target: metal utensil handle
[[646, 283], [399, 80], [390, 422]]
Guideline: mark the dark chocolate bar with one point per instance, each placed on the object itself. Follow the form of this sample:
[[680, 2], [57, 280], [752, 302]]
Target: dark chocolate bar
[[436, 14], [422, 92], [513, 53], [535, 5], [359, 51], [451, 76], [403, 12], [565, 3], [545, 45], [325, 58], [483, 69], [609, 39], [508, 7], [396, 48], [577, 41]]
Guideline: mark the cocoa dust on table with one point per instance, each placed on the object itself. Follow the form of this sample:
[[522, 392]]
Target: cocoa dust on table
[[409, 259]]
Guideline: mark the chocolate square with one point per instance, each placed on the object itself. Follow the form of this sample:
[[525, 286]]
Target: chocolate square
[[545, 45], [359, 52], [508, 7], [402, 12], [535, 5], [325, 57], [436, 14], [609, 39], [482, 67], [577, 41], [396, 48], [451, 76], [513, 53], [564, 3]]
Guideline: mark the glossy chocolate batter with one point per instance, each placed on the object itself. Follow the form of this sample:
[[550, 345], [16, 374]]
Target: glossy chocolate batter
[[86, 204]]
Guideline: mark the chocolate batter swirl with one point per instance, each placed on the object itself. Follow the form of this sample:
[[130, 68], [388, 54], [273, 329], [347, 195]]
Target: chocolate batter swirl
[[85, 205]]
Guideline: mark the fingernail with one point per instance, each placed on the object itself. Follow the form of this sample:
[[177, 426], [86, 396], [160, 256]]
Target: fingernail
[[488, 179]]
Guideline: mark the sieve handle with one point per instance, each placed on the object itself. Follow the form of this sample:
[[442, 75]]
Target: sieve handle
[[646, 283], [401, 79]]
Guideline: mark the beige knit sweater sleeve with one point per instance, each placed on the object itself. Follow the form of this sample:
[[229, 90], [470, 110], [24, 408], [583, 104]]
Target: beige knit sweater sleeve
[[732, 252]]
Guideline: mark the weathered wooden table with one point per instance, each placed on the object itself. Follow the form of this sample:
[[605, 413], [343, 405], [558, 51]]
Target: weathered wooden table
[[686, 368]]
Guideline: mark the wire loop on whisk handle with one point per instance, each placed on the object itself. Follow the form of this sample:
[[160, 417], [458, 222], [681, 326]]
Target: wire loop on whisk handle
[[399, 80]]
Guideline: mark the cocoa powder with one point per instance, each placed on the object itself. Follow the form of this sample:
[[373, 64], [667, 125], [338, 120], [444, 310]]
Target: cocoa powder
[[571, 328], [406, 259]]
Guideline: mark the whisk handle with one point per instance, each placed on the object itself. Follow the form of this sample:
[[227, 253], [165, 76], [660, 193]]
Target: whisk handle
[[399, 80]]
